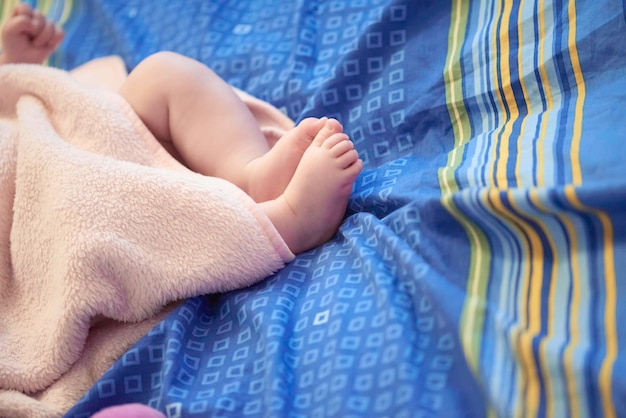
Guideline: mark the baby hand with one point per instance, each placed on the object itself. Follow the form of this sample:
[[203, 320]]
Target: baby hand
[[28, 37]]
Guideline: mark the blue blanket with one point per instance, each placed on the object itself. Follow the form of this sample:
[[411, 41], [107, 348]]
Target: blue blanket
[[479, 266]]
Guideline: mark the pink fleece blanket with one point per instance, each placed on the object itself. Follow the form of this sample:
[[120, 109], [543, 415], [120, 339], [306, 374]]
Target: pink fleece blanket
[[100, 229]]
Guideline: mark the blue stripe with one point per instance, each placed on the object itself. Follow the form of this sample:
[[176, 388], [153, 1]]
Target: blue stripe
[[560, 57]]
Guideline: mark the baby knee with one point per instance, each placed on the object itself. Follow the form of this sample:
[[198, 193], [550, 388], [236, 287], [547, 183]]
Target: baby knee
[[161, 62], [174, 66]]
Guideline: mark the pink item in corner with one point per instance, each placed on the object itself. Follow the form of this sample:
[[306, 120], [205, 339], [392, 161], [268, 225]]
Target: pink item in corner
[[133, 410]]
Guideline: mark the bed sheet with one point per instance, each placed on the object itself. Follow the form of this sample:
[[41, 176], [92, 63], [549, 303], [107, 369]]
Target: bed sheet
[[481, 262]]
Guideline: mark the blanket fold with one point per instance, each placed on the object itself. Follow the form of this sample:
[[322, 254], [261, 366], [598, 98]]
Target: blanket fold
[[99, 223]]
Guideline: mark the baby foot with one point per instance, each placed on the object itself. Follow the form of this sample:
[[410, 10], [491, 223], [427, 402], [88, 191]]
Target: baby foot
[[312, 206], [271, 173]]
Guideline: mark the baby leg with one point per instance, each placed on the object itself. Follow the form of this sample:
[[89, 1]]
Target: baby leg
[[201, 121], [312, 207]]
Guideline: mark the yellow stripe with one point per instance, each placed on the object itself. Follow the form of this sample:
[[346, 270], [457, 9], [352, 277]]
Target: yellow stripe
[[454, 91], [545, 82], [580, 98], [509, 96], [44, 6]]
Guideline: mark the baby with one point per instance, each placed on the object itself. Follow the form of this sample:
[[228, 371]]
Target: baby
[[302, 183]]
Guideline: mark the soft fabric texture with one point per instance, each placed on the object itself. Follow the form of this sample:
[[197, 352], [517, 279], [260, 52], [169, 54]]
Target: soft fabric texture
[[101, 229]]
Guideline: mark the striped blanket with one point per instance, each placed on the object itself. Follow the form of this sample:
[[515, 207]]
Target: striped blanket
[[481, 262], [536, 180]]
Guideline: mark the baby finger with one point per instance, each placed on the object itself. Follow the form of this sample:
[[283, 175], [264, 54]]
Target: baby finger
[[45, 36]]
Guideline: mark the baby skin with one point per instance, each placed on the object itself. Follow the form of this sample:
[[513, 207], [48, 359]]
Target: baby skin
[[302, 183]]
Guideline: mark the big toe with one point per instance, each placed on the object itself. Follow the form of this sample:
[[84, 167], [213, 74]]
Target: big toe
[[310, 127], [331, 127]]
